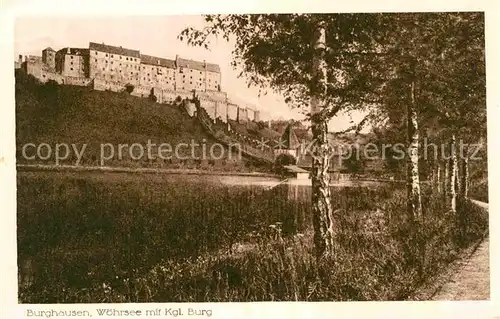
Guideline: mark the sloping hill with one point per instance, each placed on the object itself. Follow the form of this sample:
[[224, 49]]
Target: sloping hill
[[51, 114]]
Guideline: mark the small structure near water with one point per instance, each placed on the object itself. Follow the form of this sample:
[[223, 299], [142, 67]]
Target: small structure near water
[[294, 171]]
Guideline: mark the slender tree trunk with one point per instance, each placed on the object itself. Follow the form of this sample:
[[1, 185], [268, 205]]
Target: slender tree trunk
[[322, 210], [464, 191], [414, 205], [446, 177], [438, 177], [453, 176]]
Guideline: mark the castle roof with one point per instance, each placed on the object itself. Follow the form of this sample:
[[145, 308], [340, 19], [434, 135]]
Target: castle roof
[[74, 51], [49, 49], [152, 60], [114, 50], [197, 65], [289, 139]]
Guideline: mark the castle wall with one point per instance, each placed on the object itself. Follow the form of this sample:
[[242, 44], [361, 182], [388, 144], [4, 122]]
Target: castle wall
[[210, 107], [250, 114], [256, 116], [48, 75], [242, 115], [141, 91], [74, 65], [169, 96], [34, 67], [212, 95], [114, 67], [49, 58], [232, 111], [157, 76], [221, 110], [213, 81], [80, 81], [103, 85]]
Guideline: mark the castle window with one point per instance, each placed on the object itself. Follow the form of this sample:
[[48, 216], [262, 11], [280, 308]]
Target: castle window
[[96, 53], [106, 55], [71, 63], [111, 55], [120, 57], [71, 57], [126, 59], [96, 59], [111, 62]]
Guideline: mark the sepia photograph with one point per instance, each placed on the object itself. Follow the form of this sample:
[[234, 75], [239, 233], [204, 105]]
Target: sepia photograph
[[251, 157]]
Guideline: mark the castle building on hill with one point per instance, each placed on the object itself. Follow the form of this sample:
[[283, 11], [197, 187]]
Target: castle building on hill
[[128, 66], [114, 68], [72, 62]]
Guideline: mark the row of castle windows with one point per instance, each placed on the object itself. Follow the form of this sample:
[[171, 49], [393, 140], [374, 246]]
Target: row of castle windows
[[152, 68], [126, 58], [170, 78]]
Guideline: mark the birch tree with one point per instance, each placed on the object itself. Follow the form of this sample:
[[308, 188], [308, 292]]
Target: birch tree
[[320, 63]]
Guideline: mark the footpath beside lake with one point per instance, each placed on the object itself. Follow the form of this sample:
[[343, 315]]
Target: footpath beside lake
[[472, 280]]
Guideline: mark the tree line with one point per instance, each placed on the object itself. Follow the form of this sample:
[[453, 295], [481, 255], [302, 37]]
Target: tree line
[[414, 75]]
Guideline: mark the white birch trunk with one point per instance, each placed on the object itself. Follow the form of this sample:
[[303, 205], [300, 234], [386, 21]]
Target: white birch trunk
[[453, 176], [323, 220], [446, 177], [414, 205], [438, 177]]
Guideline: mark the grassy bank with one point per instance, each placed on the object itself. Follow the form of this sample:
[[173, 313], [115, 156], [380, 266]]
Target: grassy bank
[[479, 190], [139, 239], [63, 114]]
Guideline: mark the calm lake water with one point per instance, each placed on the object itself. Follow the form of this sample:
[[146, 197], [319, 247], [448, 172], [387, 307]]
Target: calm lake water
[[228, 180]]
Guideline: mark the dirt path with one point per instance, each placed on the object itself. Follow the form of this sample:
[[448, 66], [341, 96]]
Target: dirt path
[[472, 280]]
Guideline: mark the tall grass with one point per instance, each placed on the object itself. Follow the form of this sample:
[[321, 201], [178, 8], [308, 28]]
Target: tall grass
[[159, 239]]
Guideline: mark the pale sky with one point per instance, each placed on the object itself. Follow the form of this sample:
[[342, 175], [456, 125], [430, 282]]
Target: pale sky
[[152, 35]]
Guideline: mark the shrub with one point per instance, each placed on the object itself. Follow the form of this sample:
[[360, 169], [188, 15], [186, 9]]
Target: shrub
[[283, 160]]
